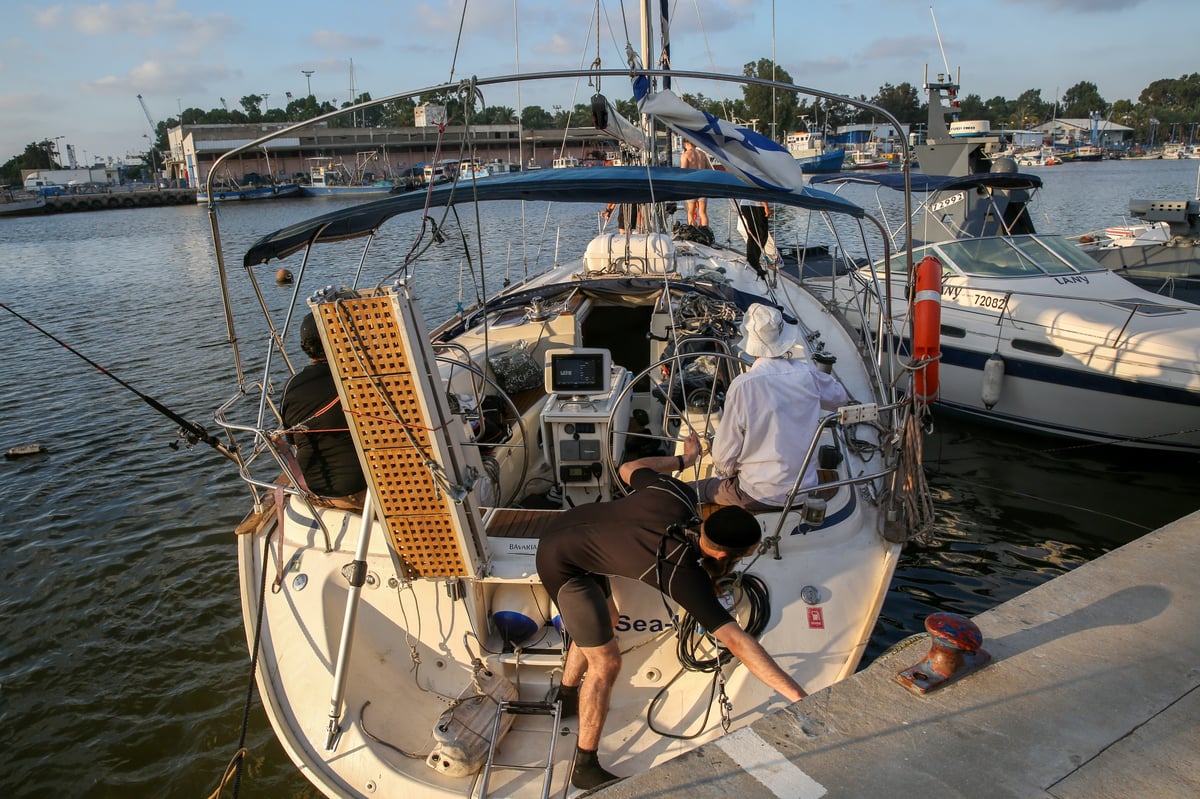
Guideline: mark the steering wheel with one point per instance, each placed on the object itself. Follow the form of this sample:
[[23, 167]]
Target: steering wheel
[[689, 387]]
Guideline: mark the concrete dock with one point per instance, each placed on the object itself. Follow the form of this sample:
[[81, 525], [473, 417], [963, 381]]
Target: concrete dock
[[1091, 692]]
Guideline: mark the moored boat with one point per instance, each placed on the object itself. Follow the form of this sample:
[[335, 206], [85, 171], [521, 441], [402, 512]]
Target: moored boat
[[16, 202], [1158, 248], [1035, 334], [813, 152], [398, 675], [326, 179], [228, 191]]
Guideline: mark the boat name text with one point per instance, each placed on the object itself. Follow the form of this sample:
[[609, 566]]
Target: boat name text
[[953, 199], [627, 623], [989, 301]]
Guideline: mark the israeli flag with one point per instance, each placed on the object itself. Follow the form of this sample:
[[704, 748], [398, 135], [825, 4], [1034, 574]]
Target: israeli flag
[[751, 156]]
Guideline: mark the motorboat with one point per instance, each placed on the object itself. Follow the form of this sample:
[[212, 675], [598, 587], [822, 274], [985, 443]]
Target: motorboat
[[1156, 247], [1035, 333], [409, 649]]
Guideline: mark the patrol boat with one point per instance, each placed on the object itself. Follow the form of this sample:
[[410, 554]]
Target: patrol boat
[[409, 649]]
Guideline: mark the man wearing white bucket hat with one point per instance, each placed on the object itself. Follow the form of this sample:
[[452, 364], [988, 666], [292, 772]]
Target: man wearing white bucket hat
[[771, 413]]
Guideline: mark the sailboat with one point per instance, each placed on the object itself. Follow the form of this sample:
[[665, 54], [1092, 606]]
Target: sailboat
[[409, 648]]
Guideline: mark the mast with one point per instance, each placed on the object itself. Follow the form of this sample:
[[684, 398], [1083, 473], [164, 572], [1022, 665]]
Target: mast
[[648, 61], [665, 33]]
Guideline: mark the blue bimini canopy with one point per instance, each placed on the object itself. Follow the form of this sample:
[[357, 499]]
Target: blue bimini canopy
[[933, 183], [615, 184]]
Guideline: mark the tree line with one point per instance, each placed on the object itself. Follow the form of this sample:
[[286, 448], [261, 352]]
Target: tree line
[[1166, 105]]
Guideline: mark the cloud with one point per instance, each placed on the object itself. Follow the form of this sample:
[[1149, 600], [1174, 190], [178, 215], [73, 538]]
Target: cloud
[[1073, 6], [823, 66], [50, 18], [159, 18], [166, 76], [20, 103], [556, 45], [160, 21], [897, 47], [334, 41]]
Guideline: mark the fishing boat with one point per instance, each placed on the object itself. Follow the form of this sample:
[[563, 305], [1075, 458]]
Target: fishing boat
[[409, 649], [222, 185], [249, 190], [813, 152], [326, 179]]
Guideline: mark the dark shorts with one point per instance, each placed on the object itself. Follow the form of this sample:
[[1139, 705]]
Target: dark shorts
[[583, 603]]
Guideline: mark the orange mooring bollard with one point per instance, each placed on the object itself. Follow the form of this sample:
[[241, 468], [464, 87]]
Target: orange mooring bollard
[[955, 652]]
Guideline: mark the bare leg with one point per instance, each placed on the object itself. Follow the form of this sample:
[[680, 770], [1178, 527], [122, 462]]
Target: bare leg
[[603, 666], [576, 665]]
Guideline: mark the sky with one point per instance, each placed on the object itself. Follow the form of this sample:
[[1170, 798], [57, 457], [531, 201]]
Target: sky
[[71, 71]]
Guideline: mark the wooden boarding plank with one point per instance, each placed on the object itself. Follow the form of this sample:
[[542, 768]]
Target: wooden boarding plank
[[389, 422], [520, 522]]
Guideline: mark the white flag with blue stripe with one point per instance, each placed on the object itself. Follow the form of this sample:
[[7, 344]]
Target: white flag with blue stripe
[[751, 156]]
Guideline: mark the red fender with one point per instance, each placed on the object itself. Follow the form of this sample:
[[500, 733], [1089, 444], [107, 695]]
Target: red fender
[[927, 329]]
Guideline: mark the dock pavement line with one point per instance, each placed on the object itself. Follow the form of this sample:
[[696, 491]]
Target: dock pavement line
[[769, 766]]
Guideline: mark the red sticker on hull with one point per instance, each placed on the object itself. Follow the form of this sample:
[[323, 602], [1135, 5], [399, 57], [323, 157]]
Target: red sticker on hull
[[816, 620]]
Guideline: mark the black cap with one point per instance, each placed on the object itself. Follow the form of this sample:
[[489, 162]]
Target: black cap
[[733, 528], [310, 338]]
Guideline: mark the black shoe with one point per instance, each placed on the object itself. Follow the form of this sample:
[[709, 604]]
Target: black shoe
[[589, 774], [568, 698]]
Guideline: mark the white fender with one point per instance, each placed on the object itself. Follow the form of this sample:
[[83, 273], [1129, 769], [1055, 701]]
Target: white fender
[[993, 377]]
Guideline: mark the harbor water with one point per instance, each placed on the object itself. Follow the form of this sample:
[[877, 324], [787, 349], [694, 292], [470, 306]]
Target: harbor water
[[124, 669]]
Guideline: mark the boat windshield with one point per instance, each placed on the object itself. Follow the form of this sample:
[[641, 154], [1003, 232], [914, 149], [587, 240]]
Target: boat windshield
[[1016, 256], [1075, 259]]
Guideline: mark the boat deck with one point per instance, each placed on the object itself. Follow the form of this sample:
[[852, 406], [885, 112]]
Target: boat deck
[[1091, 692]]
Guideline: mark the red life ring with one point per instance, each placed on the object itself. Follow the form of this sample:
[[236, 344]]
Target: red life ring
[[927, 329]]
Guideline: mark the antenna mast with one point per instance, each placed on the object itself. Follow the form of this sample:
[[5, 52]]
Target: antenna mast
[[938, 33]]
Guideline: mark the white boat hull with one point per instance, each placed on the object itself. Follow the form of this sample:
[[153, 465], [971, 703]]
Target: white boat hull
[[400, 704], [413, 643]]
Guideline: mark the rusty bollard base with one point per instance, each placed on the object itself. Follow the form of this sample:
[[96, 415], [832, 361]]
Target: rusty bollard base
[[955, 652]]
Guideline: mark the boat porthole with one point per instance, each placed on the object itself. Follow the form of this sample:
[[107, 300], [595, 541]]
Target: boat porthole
[[299, 581]]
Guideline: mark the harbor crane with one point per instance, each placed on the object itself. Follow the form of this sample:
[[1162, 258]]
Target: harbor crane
[[150, 119], [153, 134]]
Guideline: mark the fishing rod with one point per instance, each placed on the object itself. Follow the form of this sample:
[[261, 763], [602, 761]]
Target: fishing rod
[[191, 431]]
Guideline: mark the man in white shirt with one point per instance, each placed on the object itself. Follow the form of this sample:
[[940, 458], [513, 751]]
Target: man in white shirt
[[771, 413]]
